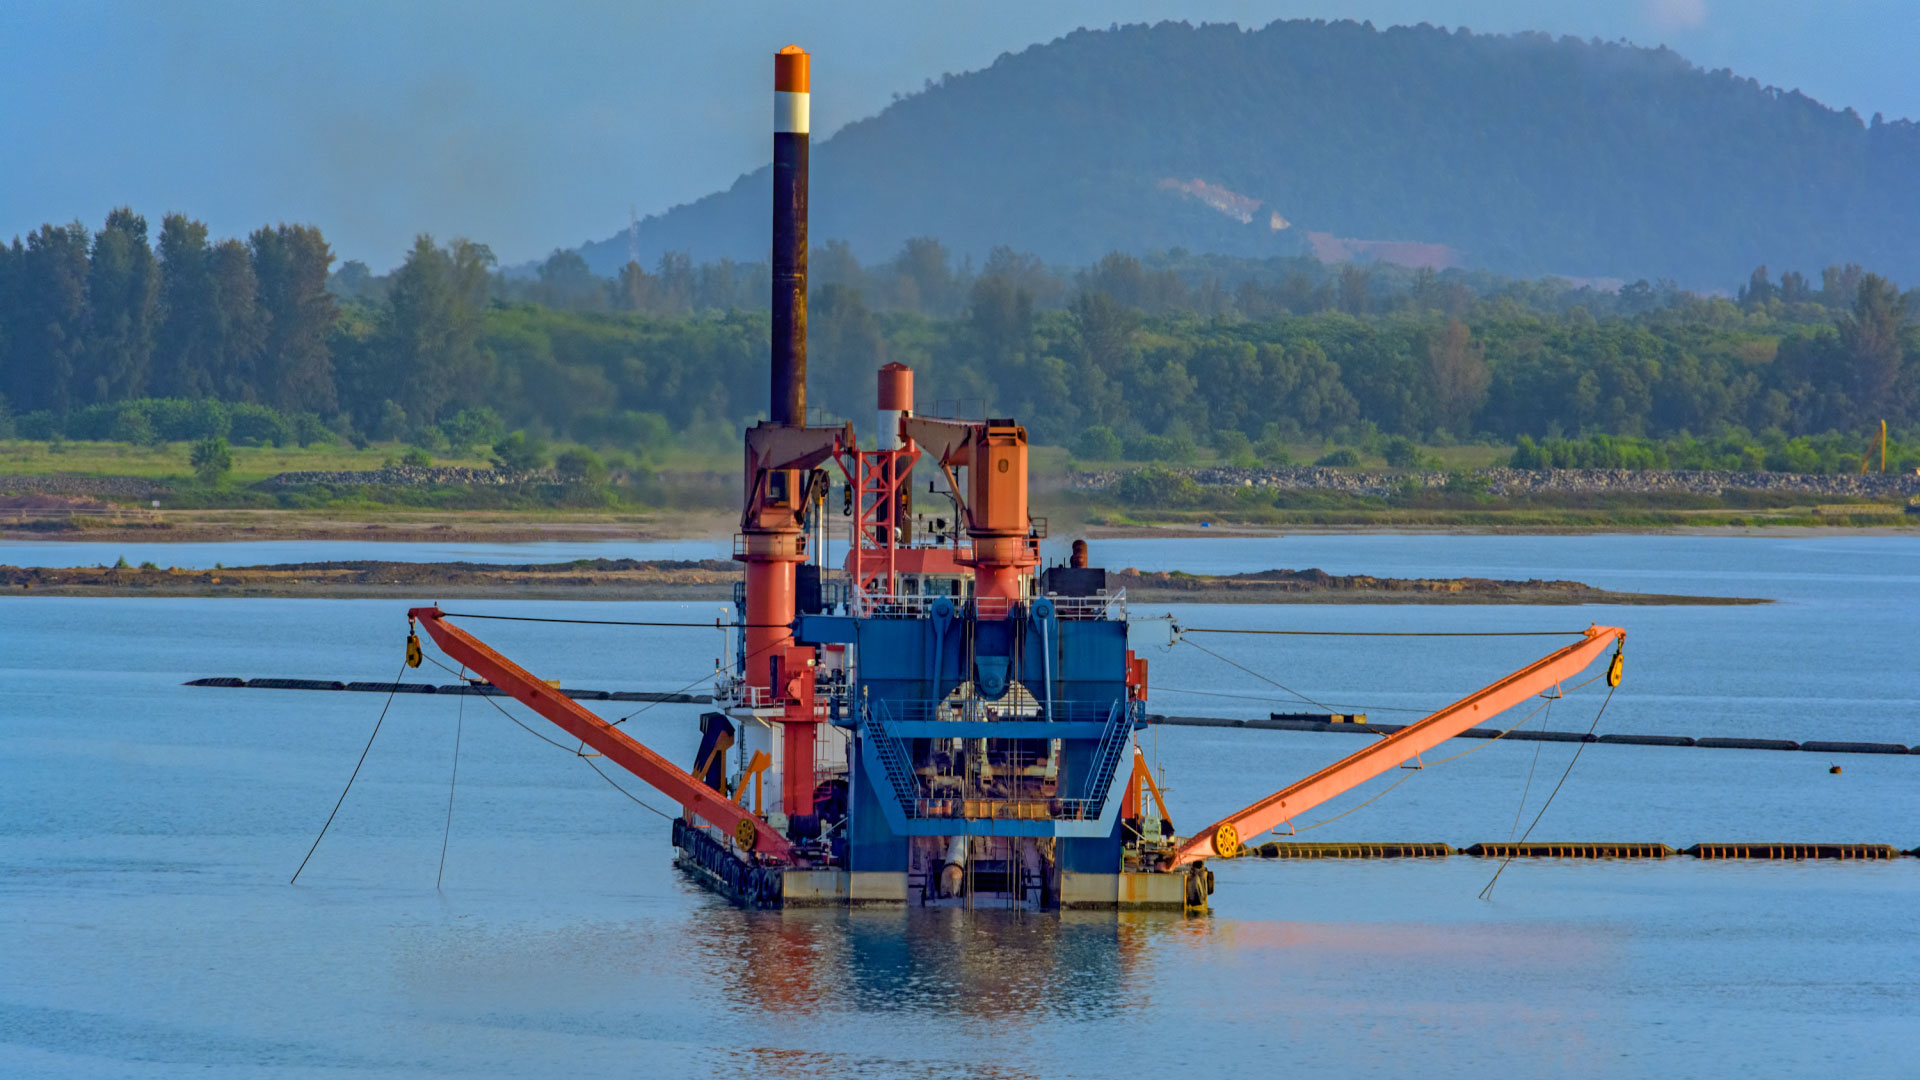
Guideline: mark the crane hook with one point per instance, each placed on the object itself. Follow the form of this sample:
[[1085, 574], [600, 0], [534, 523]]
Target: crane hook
[[1613, 669]]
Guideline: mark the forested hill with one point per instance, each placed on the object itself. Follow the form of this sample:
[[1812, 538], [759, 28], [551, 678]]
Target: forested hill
[[1525, 155]]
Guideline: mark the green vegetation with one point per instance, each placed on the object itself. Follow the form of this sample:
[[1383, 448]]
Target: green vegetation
[[1772, 452], [1156, 361], [212, 460]]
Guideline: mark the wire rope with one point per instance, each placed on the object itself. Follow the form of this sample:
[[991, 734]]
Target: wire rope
[[459, 725], [1508, 861], [1257, 675], [1268, 698], [391, 690], [619, 622], [1386, 633], [1527, 789]]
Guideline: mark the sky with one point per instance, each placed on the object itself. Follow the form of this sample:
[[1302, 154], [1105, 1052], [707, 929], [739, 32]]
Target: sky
[[532, 126]]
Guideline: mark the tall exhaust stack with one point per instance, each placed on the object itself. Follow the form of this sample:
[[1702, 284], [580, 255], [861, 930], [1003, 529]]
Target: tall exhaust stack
[[772, 543], [788, 406]]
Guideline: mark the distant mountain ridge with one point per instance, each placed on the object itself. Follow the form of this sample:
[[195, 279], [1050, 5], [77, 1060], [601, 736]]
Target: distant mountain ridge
[[1524, 154]]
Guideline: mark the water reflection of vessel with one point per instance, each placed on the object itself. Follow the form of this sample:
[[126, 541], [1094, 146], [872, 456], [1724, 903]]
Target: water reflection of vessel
[[940, 721]]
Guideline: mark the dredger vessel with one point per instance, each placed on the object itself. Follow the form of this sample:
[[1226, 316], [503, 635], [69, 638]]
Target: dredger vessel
[[940, 720]]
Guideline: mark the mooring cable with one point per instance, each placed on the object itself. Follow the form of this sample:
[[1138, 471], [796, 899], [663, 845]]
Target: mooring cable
[[488, 698], [1271, 700], [459, 723], [1527, 789], [1257, 675], [356, 773], [622, 790], [1488, 891], [620, 622], [1385, 633]]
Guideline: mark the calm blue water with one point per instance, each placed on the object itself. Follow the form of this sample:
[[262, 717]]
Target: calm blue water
[[147, 831]]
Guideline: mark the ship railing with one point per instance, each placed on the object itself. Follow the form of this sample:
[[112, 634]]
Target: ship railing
[[892, 605], [1111, 605], [918, 606], [975, 710], [739, 692], [992, 809]]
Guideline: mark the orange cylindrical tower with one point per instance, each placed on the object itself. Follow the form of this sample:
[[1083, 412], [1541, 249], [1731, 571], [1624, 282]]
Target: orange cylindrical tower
[[998, 524], [773, 541]]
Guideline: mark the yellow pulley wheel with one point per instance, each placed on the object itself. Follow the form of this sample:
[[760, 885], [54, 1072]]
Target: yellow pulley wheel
[[413, 649], [745, 834], [1613, 670], [1226, 841]]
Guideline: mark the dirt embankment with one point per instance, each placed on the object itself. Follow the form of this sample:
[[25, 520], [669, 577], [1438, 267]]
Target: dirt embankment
[[594, 579], [712, 579], [1320, 587]]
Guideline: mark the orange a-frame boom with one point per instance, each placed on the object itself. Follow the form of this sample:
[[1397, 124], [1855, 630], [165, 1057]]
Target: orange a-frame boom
[[1223, 838], [616, 745]]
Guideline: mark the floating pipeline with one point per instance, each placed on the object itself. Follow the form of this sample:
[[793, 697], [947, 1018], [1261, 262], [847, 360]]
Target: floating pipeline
[[1563, 849], [1794, 851], [1276, 722], [1747, 744], [1855, 748], [476, 689], [1570, 851], [394, 687], [295, 684], [742, 882], [1292, 722], [1295, 850]]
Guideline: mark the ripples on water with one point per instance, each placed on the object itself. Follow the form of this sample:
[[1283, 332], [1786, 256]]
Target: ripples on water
[[147, 829]]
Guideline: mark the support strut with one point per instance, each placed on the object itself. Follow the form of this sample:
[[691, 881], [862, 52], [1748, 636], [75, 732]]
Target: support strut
[[617, 746], [1224, 837]]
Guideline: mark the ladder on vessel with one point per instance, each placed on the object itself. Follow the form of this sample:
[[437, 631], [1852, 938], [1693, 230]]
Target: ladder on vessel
[[1106, 760], [893, 759]]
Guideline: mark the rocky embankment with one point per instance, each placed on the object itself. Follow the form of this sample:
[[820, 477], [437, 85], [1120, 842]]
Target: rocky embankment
[[95, 487], [1504, 481], [407, 476], [713, 579]]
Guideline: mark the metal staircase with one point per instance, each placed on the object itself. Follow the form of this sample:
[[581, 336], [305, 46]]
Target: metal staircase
[[893, 758], [1106, 761]]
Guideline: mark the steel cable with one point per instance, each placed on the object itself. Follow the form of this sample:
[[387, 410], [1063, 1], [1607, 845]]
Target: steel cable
[[395, 688]]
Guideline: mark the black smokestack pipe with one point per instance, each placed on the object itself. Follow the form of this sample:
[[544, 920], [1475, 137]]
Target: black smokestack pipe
[[788, 404]]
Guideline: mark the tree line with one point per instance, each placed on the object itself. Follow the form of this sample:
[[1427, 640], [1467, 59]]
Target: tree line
[[1152, 357]]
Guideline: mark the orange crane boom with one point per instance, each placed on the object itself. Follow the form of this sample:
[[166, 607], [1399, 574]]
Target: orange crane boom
[[615, 745], [1224, 837]]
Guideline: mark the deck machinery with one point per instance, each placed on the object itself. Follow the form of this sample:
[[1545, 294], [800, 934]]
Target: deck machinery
[[939, 720]]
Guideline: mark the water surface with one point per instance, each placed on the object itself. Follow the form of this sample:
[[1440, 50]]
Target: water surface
[[147, 831]]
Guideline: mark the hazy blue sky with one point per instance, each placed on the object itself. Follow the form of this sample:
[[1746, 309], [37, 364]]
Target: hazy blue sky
[[529, 126]]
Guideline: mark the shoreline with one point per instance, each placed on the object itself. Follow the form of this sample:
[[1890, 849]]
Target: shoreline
[[478, 526], [709, 580]]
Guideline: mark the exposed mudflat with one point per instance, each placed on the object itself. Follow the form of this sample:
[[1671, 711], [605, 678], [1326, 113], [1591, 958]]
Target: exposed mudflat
[[713, 579]]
